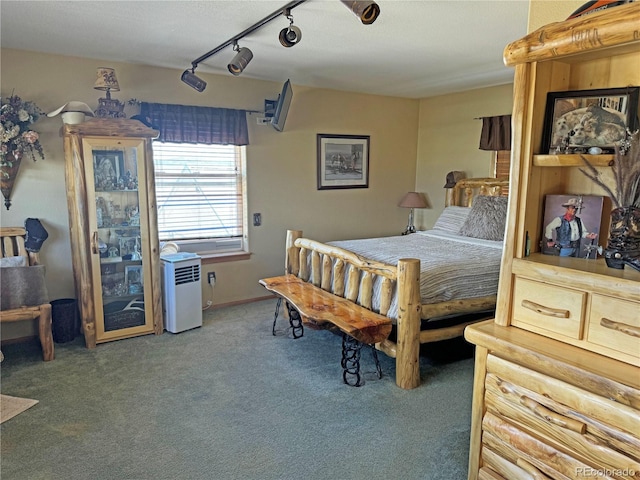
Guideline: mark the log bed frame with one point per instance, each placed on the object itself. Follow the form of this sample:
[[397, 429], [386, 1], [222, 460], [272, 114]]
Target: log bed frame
[[330, 262]]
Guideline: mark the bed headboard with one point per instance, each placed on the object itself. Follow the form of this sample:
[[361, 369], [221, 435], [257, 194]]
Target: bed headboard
[[466, 189]]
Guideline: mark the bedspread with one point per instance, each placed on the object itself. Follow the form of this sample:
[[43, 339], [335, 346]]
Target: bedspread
[[452, 267]]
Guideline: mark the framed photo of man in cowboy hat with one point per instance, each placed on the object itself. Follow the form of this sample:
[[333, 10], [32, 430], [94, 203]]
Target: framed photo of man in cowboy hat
[[572, 225]]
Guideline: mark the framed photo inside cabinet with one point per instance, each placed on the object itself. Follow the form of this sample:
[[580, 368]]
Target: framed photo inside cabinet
[[133, 278], [108, 166], [343, 161], [572, 225], [581, 120]]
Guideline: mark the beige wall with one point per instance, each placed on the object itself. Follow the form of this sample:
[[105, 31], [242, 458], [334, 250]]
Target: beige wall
[[448, 139], [543, 12], [413, 145], [281, 166]]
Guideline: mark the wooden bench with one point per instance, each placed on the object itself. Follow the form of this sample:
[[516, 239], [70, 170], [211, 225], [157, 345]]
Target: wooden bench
[[319, 309]]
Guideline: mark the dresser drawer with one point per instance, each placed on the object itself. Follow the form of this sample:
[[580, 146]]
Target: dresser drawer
[[615, 324], [548, 309], [583, 426], [515, 454]]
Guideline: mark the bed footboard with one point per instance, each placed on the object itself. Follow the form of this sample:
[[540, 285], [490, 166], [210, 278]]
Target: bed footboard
[[327, 268]]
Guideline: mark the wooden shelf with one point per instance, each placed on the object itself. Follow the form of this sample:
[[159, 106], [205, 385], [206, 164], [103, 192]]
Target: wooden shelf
[[580, 273], [574, 160]]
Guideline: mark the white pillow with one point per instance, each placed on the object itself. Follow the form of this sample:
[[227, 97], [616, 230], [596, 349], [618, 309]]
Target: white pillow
[[451, 219], [13, 262]]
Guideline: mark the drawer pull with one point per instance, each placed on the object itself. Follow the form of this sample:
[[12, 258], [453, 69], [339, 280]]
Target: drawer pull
[[531, 470], [553, 417], [548, 311], [620, 327]]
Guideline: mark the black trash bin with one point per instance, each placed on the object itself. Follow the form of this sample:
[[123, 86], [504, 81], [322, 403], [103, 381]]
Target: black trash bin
[[64, 319]]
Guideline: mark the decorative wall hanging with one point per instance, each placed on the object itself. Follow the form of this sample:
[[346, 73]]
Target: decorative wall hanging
[[343, 161], [17, 140]]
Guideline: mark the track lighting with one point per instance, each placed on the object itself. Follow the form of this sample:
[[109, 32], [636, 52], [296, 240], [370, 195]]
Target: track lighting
[[365, 10], [291, 35], [190, 78], [241, 59]]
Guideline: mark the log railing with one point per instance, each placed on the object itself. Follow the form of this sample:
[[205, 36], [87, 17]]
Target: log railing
[[331, 263], [326, 269]]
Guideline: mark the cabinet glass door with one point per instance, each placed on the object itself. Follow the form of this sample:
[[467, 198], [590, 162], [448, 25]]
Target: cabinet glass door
[[120, 247]]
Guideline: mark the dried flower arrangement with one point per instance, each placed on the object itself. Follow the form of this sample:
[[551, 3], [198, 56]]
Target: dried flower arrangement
[[623, 244], [16, 117]]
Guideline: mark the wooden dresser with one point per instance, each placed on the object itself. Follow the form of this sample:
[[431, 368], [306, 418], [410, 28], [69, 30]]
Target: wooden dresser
[[557, 379]]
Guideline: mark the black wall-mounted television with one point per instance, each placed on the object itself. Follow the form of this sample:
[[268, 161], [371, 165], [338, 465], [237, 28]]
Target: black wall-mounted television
[[282, 107]]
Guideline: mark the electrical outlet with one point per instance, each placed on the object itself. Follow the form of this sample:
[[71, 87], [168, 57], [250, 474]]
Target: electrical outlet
[[257, 219], [211, 278]]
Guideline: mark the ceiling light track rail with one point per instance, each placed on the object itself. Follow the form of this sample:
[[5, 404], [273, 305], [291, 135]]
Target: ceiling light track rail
[[234, 40], [366, 10]]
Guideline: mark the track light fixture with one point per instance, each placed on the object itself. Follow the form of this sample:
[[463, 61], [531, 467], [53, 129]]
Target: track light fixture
[[291, 35], [365, 10], [189, 77], [240, 60]]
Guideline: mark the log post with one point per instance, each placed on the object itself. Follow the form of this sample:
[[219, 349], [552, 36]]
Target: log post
[[303, 273], [327, 265], [385, 295], [366, 290], [44, 332], [316, 272], [338, 278], [291, 261], [353, 283], [409, 306]]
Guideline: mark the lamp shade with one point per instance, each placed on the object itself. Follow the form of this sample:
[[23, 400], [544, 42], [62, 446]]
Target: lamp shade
[[413, 200], [106, 80]]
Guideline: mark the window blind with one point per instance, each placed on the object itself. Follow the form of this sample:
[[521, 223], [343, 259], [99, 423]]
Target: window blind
[[198, 190]]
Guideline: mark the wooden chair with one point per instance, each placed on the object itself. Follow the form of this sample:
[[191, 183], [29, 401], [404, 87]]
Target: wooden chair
[[13, 241]]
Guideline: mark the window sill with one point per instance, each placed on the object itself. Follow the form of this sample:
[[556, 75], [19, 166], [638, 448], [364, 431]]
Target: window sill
[[223, 257]]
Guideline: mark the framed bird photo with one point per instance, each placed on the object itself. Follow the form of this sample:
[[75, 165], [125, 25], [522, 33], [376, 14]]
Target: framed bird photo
[[589, 121], [572, 225]]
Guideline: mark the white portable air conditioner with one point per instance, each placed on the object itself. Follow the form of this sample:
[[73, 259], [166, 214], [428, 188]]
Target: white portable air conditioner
[[182, 293]]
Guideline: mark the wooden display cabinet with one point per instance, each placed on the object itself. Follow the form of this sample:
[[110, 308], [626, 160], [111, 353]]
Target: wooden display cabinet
[[557, 381], [114, 234]]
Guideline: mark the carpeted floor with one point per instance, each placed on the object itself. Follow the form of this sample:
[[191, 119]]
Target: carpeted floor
[[230, 401]]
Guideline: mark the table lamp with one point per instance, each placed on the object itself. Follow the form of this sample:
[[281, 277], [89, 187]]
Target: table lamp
[[107, 81], [412, 200]]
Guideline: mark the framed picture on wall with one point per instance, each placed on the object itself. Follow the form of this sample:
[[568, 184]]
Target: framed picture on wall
[[343, 161]]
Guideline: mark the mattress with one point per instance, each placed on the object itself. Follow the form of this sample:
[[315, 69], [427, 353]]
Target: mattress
[[452, 267]]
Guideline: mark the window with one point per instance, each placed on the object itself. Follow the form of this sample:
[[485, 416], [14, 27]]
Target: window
[[502, 164], [200, 196]]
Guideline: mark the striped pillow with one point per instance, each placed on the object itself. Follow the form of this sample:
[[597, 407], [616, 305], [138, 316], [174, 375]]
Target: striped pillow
[[452, 219]]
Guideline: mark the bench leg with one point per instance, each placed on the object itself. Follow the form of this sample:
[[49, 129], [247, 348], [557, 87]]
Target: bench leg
[[351, 361], [275, 317], [295, 321], [375, 359]]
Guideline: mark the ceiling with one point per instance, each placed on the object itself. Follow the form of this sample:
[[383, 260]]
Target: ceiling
[[415, 49]]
